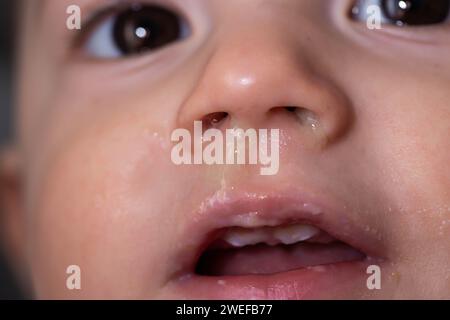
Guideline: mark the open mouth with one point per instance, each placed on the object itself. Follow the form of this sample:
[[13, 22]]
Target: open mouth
[[270, 250], [271, 246]]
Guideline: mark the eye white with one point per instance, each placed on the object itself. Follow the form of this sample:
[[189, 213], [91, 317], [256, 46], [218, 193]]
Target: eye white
[[360, 10], [101, 42]]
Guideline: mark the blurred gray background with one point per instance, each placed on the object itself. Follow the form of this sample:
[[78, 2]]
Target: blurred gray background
[[8, 287]]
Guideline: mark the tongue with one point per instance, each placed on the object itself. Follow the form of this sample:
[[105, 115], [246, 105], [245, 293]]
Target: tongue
[[264, 259]]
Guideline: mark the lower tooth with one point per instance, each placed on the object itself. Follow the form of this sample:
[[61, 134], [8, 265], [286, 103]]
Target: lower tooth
[[295, 233]]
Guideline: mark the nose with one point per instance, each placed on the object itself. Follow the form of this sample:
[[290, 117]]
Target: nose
[[254, 77]]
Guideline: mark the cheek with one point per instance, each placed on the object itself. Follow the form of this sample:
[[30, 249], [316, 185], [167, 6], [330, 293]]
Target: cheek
[[99, 206], [403, 124], [401, 140], [413, 139], [409, 137]]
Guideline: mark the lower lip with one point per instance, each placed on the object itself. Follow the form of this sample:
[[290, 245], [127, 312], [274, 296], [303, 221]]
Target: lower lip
[[320, 282]]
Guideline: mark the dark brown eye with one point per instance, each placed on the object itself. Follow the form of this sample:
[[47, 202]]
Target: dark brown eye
[[416, 12], [404, 12], [135, 30]]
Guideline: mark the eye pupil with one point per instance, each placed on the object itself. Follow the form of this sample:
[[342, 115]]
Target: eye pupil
[[416, 12], [145, 28]]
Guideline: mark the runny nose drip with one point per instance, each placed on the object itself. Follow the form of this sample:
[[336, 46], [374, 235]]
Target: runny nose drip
[[270, 250]]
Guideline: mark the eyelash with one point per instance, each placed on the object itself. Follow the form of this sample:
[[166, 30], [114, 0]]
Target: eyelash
[[99, 21]]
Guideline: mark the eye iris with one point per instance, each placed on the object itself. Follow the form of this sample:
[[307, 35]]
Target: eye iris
[[145, 28], [416, 12]]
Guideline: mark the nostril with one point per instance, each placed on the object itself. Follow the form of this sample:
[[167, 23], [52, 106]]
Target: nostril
[[214, 119], [291, 109], [305, 116]]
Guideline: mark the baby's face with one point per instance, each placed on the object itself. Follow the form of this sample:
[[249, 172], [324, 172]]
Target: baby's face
[[364, 123]]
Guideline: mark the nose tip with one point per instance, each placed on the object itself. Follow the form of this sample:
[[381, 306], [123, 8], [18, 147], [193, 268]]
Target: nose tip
[[250, 83]]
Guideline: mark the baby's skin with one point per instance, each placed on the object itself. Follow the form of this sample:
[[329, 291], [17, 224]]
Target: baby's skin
[[363, 183]]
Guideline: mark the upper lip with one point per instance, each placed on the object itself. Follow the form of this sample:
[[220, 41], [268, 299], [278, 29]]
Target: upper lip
[[236, 208]]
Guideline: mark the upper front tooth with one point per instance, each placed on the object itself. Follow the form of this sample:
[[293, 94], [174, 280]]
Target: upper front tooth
[[290, 234], [295, 233], [245, 237]]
